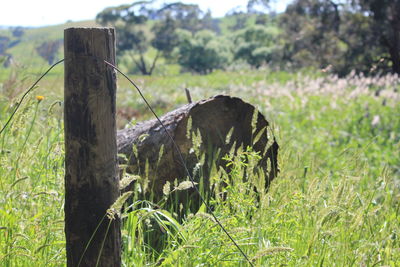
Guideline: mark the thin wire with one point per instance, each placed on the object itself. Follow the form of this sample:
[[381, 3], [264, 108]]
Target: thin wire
[[183, 162], [163, 126], [27, 92]]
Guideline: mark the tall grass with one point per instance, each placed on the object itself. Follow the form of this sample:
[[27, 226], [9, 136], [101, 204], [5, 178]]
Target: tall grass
[[336, 201], [31, 192]]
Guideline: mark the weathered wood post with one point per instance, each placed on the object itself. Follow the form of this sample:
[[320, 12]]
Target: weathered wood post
[[91, 171]]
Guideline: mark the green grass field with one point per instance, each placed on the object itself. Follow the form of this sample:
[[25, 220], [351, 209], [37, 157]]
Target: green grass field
[[335, 203]]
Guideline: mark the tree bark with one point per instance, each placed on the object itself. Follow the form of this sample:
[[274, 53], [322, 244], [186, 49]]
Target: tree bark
[[394, 51], [91, 164], [213, 118]]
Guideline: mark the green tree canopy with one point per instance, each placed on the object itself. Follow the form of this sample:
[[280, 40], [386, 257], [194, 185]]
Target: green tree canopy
[[311, 32], [202, 52], [166, 38], [360, 35], [48, 50], [134, 37], [177, 16], [385, 26], [187, 16], [256, 44]]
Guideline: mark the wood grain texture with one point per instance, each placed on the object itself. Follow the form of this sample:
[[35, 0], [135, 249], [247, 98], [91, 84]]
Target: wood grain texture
[[213, 118], [91, 167]]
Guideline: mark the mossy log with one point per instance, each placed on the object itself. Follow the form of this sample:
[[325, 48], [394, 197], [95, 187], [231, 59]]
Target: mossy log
[[222, 122]]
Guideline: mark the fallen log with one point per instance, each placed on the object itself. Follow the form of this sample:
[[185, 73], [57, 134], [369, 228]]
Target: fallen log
[[222, 122]]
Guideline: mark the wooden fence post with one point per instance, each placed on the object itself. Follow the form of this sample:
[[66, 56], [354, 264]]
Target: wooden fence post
[[91, 170]]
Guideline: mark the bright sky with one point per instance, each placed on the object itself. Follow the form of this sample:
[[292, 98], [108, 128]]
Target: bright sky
[[51, 12]]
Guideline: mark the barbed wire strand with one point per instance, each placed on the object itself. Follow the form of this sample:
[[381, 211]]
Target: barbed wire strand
[[183, 162], [27, 92], [162, 125]]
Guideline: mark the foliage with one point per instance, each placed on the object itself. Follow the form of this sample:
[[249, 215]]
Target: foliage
[[187, 16], [311, 29], [166, 37], [4, 42], [256, 45], [30, 198], [48, 50], [323, 33], [136, 37], [203, 52], [385, 25], [335, 202], [172, 17], [7, 43], [133, 38], [319, 34], [18, 32], [251, 4], [239, 21]]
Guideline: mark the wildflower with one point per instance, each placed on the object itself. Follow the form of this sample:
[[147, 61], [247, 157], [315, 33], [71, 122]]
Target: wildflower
[[39, 98], [375, 120]]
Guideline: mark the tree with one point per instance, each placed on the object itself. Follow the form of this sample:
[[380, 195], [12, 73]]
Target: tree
[[18, 32], [322, 33], [178, 16], [256, 45], [4, 43], [202, 52], [239, 20], [187, 16], [166, 38], [134, 37], [311, 30], [253, 4], [48, 50], [356, 35], [385, 15]]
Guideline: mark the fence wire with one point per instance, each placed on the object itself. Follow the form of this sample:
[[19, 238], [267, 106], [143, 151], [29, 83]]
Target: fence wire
[[162, 125]]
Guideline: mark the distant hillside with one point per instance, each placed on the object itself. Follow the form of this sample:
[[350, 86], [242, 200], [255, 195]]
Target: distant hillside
[[37, 48], [24, 45]]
